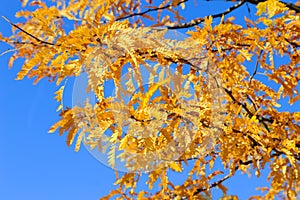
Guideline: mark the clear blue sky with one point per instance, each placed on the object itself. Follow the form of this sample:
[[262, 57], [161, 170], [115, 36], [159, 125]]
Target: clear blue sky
[[36, 165]]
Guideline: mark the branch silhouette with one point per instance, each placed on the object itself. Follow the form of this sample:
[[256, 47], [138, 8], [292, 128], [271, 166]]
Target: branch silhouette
[[200, 20], [197, 21], [150, 10], [27, 33]]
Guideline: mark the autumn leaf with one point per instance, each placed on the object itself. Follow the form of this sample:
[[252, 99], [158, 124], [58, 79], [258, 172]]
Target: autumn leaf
[[174, 104]]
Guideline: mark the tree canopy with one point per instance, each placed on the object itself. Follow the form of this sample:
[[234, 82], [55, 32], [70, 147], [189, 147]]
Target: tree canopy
[[183, 93]]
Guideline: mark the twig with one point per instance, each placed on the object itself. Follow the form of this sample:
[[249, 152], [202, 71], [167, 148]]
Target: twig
[[177, 59], [213, 184], [36, 38], [291, 6], [230, 175], [255, 71], [256, 66], [7, 51], [234, 46], [239, 4], [150, 10], [261, 119], [200, 20], [288, 5], [292, 43], [250, 99]]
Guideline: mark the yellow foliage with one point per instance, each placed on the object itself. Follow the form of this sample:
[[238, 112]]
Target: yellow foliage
[[206, 96], [271, 8]]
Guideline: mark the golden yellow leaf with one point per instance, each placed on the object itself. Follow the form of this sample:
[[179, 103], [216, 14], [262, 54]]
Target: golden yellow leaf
[[217, 105], [175, 166]]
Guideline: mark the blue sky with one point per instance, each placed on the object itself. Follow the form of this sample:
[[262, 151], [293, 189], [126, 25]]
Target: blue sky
[[36, 165]]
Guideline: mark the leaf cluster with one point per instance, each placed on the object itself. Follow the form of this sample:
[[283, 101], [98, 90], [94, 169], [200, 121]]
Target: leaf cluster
[[231, 113]]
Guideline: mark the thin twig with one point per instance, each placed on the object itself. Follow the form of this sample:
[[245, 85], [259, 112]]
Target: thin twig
[[256, 66], [213, 184], [200, 20], [32, 36], [292, 43], [230, 175], [261, 119], [150, 10], [7, 51], [250, 99], [290, 6]]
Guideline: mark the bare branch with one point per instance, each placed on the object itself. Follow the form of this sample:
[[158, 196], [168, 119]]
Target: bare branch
[[32, 36], [200, 20], [256, 66]]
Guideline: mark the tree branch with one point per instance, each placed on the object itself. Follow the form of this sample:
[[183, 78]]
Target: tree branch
[[294, 44], [150, 10], [291, 6], [32, 36], [288, 5], [256, 66], [261, 119], [239, 4], [214, 184], [200, 20]]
